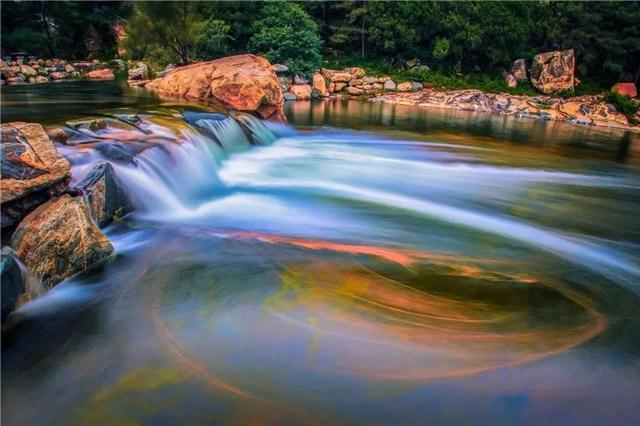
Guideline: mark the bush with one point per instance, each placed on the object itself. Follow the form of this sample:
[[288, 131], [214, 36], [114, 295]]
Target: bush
[[286, 34], [623, 103]]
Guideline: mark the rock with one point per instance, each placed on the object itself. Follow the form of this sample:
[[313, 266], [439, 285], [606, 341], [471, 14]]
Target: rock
[[510, 80], [332, 87], [404, 87], [32, 79], [319, 84], [41, 79], [627, 89], [302, 91], [519, 71], [357, 72], [415, 86], [137, 83], [57, 134], [28, 71], [356, 82], [340, 77], [69, 69], [389, 85], [377, 86], [553, 71], [297, 79], [242, 83], [58, 239], [354, 91], [370, 80], [57, 75], [288, 96], [83, 66], [280, 68], [14, 80], [12, 281], [105, 74], [105, 195], [30, 162], [32, 170], [136, 73], [339, 86]]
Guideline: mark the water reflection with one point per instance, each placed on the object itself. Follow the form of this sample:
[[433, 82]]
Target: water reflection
[[460, 126]]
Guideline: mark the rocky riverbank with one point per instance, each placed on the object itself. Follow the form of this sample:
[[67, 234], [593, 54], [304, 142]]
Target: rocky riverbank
[[46, 70], [583, 110]]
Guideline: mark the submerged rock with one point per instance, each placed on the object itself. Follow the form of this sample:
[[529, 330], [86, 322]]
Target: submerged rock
[[553, 71], [59, 239], [12, 281], [105, 194], [242, 83]]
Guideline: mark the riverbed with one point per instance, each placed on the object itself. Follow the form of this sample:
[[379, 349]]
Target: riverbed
[[364, 263]]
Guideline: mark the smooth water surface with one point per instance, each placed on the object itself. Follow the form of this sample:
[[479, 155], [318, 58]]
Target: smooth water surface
[[365, 263]]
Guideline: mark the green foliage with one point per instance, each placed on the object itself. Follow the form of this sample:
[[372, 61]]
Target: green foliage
[[471, 37], [284, 33], [62, 28], [441, 48], [623, 103]]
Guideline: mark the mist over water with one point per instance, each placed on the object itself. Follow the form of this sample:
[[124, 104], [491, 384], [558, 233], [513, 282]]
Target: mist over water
[[314, 273]]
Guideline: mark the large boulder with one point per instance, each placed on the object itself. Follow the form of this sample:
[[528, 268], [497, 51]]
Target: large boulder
[[243, 83], [105, 195], [12, 281], [510, 80], [32, 170], [59, 239], [554, 71]]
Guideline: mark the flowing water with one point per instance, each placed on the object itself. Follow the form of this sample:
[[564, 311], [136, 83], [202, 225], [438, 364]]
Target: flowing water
[[365, 263]]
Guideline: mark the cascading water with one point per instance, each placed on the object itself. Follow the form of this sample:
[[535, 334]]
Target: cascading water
[[290, 269]]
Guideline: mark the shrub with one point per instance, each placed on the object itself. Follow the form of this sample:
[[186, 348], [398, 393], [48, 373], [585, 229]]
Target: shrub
[[286, 34], [623, 103]]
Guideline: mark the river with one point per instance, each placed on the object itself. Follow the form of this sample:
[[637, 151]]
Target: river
[[362, 264]]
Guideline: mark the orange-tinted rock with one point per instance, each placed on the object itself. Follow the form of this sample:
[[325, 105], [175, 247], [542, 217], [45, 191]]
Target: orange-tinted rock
[[59, 239], [627, 89], [319, 84], [56, 134], [302, 91], [553, 71], [105, 74], [30, 162], [341, 77], [242, 83]]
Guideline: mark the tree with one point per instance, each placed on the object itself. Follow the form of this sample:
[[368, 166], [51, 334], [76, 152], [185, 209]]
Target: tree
[[285, 33], [174, 26]]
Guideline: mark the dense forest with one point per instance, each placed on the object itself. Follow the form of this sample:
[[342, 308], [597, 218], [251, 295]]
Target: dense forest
[[453, 37]]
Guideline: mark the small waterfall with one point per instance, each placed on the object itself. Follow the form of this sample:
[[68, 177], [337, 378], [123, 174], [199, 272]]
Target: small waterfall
[[260, 133], [227, 133], [177, 169]]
